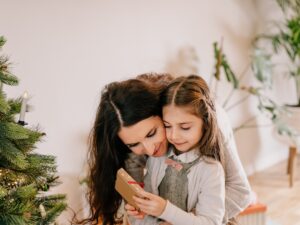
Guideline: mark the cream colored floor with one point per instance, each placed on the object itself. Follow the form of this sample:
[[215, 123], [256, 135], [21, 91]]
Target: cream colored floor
[[272, 188]]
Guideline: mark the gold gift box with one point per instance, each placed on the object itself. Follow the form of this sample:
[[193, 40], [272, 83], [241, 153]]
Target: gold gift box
[[127, 186]]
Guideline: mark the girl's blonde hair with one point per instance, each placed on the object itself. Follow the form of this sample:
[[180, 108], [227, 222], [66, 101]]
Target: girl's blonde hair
[[194, 92]]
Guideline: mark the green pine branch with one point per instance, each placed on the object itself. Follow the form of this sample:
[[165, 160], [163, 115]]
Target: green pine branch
[[25, 176]]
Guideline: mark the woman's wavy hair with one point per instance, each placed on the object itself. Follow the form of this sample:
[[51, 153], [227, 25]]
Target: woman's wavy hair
[[194, 92], [122, 103]]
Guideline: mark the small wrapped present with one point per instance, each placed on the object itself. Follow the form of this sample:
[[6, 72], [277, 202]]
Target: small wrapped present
[[127, 186]]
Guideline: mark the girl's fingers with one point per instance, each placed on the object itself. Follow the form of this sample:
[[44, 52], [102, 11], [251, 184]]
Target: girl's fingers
[[135, 213], [140, 216], [150, 203], [140, 201], [132, 213], [129, 207], [145, 194]]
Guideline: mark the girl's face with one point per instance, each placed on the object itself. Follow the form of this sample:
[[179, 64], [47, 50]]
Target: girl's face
[[184, 129], [146, 137]]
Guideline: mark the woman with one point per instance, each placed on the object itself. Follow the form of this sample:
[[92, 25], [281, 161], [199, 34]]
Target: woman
[[133, 106]]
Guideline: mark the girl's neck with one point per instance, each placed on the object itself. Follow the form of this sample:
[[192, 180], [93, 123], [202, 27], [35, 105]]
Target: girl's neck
[[177, 152]]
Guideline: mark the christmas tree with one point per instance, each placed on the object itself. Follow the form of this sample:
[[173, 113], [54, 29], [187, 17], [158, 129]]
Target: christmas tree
[[25, 176]]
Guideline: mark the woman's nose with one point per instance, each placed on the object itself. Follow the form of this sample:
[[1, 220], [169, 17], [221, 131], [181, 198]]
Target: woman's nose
[[148, 148]]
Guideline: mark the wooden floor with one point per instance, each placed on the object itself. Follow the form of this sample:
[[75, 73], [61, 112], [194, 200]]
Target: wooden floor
[[272, 188]]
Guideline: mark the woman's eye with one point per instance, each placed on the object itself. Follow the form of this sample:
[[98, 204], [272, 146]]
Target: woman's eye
[[132, 146], [152, 133], [166, 126]]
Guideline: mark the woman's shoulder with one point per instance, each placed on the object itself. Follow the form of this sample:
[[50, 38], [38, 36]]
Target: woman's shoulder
[[207, 172], [209, 165]]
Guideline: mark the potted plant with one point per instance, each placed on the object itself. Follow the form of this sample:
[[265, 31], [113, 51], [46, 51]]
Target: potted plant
[[260, 66], [286, 42], [241, 90]]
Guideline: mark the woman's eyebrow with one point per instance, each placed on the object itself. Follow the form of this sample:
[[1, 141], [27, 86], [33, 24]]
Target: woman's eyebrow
[[131, 144], [150, 131]]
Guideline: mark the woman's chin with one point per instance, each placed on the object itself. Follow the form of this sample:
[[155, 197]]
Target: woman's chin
[[161, 151]]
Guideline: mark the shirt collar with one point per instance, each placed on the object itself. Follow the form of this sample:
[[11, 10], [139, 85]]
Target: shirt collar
[[184, 157]]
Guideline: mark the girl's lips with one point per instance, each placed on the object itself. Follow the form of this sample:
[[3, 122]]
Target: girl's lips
[[179, 143]]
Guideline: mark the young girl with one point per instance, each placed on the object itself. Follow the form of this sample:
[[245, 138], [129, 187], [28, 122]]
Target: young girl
[[190, 178]]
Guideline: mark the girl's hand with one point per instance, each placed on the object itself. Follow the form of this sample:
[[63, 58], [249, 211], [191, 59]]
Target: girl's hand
[[150, 204], [133, 212]]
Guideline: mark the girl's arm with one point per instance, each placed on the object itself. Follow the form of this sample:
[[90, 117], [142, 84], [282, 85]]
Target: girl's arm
[[210, 207]]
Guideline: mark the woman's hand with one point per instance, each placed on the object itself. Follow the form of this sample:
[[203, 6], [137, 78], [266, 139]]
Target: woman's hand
[[150, 204], [134, 212]]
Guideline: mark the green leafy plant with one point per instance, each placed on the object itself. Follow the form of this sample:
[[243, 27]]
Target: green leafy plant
[[260, 66], [286, 39]]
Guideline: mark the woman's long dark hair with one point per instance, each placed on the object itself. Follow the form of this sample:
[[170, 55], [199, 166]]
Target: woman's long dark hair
[[122, 104], [193, 91]]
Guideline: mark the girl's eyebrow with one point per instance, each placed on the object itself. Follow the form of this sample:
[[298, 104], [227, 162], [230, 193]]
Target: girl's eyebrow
[[183, 123]]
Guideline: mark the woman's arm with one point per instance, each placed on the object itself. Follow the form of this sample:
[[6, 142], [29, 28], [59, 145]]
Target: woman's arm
[[135, 165], [238, 191]]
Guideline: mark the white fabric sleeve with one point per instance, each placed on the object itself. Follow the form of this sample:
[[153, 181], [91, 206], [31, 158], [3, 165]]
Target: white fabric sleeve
[[210, 207], [148, 220], [238, 191]]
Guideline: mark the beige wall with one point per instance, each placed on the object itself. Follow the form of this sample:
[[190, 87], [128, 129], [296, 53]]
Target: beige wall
[[65, 51]]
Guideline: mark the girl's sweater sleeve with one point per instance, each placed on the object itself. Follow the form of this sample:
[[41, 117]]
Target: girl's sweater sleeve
[[210, 207]]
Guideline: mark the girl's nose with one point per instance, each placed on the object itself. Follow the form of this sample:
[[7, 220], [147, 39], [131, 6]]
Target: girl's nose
[[174, 135]]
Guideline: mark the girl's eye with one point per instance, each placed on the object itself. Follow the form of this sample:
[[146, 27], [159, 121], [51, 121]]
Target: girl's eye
[[166, 126], [152, 133], [185, 128]]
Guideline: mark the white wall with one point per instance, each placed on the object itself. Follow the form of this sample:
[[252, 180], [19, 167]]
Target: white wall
[[65, 51]]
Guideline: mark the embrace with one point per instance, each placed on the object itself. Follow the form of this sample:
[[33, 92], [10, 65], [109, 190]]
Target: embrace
[[170, 134]]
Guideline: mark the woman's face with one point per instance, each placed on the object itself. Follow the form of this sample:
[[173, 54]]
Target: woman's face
[[146, 137]]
